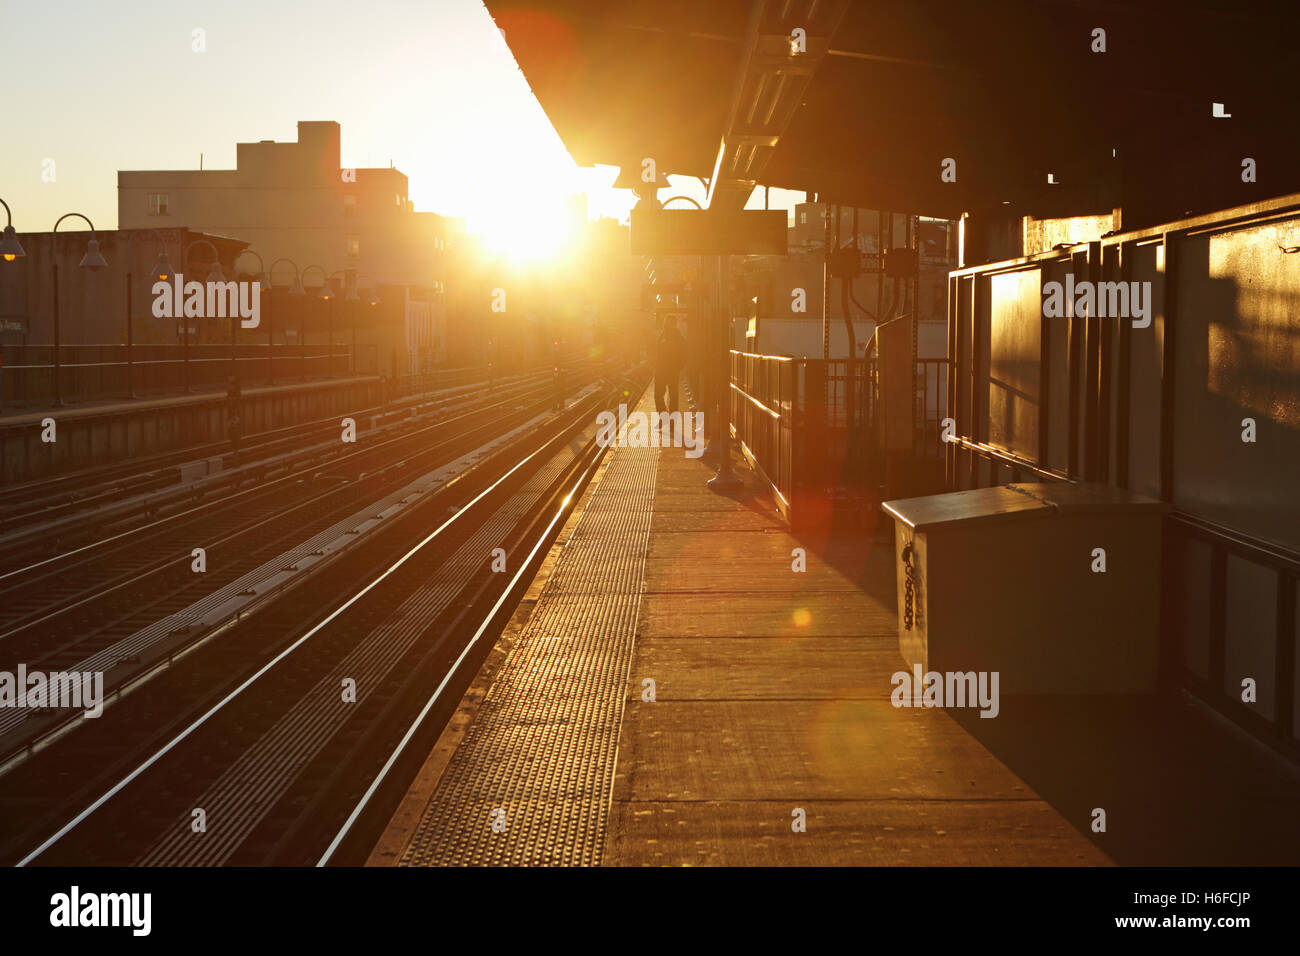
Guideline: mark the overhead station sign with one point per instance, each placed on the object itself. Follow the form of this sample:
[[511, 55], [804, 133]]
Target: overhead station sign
[[706, 232]]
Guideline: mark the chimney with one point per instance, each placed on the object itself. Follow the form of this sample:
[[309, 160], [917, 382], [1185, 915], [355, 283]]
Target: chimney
[[319, 145]]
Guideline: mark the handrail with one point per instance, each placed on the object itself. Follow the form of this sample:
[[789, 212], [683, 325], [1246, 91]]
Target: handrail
[[776, 415], [1235, 217], [774, 358], [991, 451], [1258, 550]]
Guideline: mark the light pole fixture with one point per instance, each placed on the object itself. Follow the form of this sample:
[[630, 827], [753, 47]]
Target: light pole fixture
[[295, 289], [214, 275], [330, 295], [162, 271], [313, 292], [372, 300], [10, 247], [631, 176], [263, 285], [91, 260]]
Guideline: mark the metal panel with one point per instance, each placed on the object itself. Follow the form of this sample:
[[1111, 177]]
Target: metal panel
[[1290, 594], [1145, 362], [1238, 355], [1163, 414], [1189, 571], [1058, 398], [1250, 634], [1014, 352]]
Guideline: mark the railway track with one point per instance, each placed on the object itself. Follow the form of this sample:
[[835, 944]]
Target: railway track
[[40, 519], [115, 609], [273, 753]]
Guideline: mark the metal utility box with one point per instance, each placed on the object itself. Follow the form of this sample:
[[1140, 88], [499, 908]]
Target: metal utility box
[[1008, 579]]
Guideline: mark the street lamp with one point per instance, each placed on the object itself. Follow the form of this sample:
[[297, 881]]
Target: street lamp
[[316, 292], [162, 271], [263, 285], [372, 300], [295, 289], [10, 247], [214, 275], [329, 295], [91, 260], [631, 175]]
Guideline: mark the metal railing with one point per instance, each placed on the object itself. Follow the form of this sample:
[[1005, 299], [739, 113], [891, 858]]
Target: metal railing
[[792, 419], [931, 405], [764, 396], [101, 371]]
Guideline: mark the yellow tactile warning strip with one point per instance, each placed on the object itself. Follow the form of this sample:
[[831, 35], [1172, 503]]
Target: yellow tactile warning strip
[[531, 780]]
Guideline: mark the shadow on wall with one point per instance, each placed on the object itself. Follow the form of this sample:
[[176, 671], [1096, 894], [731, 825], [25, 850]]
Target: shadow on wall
[[1238, 357]]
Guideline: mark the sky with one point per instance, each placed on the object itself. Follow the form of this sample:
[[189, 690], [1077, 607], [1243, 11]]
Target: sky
[[427, 85]]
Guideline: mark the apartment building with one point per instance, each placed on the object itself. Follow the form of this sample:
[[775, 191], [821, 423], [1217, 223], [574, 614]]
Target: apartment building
[[295, 201]]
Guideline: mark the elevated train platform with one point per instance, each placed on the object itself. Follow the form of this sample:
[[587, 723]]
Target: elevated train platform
[[767, 737]]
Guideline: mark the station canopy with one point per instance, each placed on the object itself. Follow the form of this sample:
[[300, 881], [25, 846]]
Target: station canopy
[[1045, 107]]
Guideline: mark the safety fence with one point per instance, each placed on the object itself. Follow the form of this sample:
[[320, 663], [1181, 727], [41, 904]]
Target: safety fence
[[39, 373], [812, 430]]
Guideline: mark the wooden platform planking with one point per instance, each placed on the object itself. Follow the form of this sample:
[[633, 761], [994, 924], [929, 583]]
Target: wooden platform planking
[[772, 694]]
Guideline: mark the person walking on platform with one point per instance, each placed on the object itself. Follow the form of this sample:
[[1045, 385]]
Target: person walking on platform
[[670, 356]]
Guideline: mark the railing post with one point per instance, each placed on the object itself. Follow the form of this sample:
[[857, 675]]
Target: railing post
[[130, 343], [58, 394], [725, 480]]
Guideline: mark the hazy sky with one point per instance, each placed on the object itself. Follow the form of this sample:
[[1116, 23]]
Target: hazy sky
[[97, 87]]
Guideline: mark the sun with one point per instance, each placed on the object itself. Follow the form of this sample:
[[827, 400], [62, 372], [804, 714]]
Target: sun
[[527, 233]]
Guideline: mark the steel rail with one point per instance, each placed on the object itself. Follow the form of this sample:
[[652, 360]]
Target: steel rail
[[368, 451], [525, 567], [269, 665]]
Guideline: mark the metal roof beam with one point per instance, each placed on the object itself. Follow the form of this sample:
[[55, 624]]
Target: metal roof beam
[[783, 47]]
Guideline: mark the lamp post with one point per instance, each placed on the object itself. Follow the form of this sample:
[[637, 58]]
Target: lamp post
[[314, 293], [329, 295], [372, 300], [10, 249], [91, 260], [263, 284], [295, 289], [162, 271], [214, 275]]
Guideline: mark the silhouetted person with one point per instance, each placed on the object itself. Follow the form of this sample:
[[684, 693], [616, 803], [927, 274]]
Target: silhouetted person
[[670, 356]]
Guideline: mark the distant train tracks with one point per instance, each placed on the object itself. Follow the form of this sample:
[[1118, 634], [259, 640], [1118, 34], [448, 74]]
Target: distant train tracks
[[259, 747], [61, 511], [50, 496], [115, 606]]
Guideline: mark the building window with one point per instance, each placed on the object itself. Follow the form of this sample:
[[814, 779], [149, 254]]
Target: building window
[[157, 204], [349, 207], [354, 247], [803, 217], [940, 309]]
